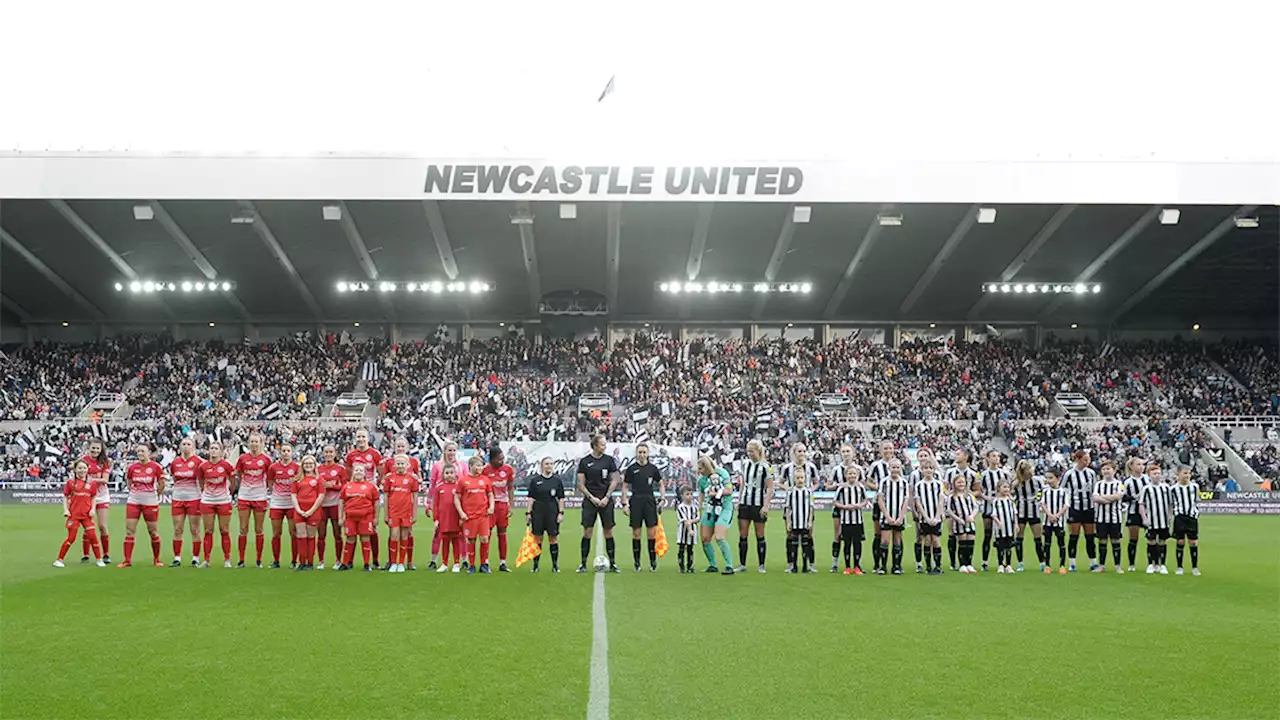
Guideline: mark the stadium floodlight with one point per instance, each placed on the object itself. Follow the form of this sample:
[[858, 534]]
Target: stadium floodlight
[[1044, 288], [144, 212], [801, 214], [199, 287], [148, 286], [186, 286], [986, 215], [992, 287], [713, 287], [171, 287], [694, 287], [664, 287], [1080, 288], [761, 287], [476, 287], [411, 287], [119, 287], [1005, 288], [341, 286], [436, 287], [1017, 288], [806, 287], [1096, 288], [1031, 287], [386, 286], [737, 287], [1246, 222], [889, 220], [331, 212], [1169, 216]]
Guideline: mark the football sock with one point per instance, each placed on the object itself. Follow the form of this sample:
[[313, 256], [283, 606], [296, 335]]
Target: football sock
[[320, 542], [155, 547], [1133, 551], [1152, 557], [1115, 551], [349, 552], [364, 549], [1062, 553], [66, 544], [471, 553], [792, 545], [393, 551], [208, 545], [502, 545], [857, 555], [128, 549], [742, 550], [723, 544], [937, 558], [1018, 549], [806, 550], [484, 553], [710, 552], [444, 551], [835, 550], [586, 549], [610, 549], [1072, 545], [537, 557], [848, 550], [919, 550], [226, 546], [1179, 552], [761, 548], [177, 548], [435, 545], [376, 541], [275, 548], [951, 549], [875, 545], [337, 545], [897, 556], [1195, 556], [97, 552], [84, 545], [293, 548], [106, 542], [653, 551], [1040, 553], [1088, 545], [986, 546], [928, 559], [258, 542], [635, 550], [408, 545]]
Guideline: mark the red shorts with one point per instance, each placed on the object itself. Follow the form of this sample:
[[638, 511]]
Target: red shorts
[[149, 513], [221, 509], [102, 506], [316, 519], [186, 507], [359, 525], [329, 512], [81, 522], [476, 527], [254, 505], [401, 521], [501, 515], [281, 513]]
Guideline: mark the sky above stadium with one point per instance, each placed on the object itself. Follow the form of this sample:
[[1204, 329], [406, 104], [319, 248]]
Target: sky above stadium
[[693, 80]]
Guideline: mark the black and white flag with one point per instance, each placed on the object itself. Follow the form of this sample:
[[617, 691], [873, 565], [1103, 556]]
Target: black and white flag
[[98, 431], [666, 408], [640, 417], [428, 401], [462, 403], [558, 388], [450, 396], [764, 419], [394, 426], [272, 411], [248, 342], [633, 367], [371, 371], [1107, 349], [28, 440], [684, 355], [642, 436]]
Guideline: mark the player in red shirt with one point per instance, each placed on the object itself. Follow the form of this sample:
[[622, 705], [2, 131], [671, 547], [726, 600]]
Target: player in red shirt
[[146, 484], [100, 470], [502, 479], [448, 526], [415, 469], [185, 471], [334, 477], [216, 476], [78, 497], [364, 455], [280, 477], [359, 508], [401, 488], [308, 495], [437, 474], [474, 503], [251, 489]]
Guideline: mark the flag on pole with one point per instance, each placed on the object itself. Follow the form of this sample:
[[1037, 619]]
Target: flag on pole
[[428, 400], [660, 542], [529, 548]]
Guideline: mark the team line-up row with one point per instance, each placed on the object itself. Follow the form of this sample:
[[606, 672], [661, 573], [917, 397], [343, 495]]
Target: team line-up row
[[469, 502]]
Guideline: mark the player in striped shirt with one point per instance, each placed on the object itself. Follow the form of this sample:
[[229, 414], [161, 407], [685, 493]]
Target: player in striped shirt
[[963, 510], [1108, 510], [850, 501], [840, 476], [877, 473], [1078, 481], [1026, 493], [798, 515], [1186, 517], [1134, 483], [1004, 523], [1154, 505], [988, 483], [971, 477], [894, 499], [923, 455], [1054, 503], [753, 506], [929, 501], [687, 515]]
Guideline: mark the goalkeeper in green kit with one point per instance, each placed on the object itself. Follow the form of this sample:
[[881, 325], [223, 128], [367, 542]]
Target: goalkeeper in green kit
[[717, 511]]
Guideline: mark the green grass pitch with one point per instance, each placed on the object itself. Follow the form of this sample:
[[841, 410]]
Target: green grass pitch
[[184, 643]]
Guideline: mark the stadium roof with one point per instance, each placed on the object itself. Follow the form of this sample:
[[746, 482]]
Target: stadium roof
[[60, 261]]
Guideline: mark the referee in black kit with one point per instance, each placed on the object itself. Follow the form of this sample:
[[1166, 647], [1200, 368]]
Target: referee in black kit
[[640, 479], [597, 479]]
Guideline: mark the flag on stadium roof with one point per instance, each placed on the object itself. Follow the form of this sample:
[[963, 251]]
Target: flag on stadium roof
[[272, 411]]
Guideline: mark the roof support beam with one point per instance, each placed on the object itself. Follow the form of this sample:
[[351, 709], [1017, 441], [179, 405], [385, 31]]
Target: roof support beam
[[1037, 241], [846, 282], [50, 275], [1120, 243], [273, 246], [363, 257], [698, 245], [962, 228], [445, 248], [530, 250], [1190, 254], [612, 253], [781, 247], [201, 262], [16, 309], [88, 233]]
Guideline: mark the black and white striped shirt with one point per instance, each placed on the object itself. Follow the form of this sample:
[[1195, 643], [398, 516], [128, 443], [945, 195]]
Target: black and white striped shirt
[[1028, 496], [1053, 500], [894, 494], [1079, 484], [812, 479], [1109, 513], [991, 479], [688, 532], [970, 476], [928, 499], [1133, 487], [961, 507], [1004, 516], [755, 477], [850, 495], [799, 508], [1186, 499], [878, 472], [1155, 498]]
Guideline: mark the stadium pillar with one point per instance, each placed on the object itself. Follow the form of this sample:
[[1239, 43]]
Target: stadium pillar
[[1037, 336], [395, 334], [467, 336], [753, 332], [31, 335], [609, 334], [826, 334], [897, 336]]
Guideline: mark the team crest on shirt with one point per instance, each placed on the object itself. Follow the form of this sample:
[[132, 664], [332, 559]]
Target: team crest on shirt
[[260, 463], [146, 471]]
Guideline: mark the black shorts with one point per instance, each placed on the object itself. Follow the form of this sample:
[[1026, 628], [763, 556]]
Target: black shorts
[[890, 526], [1053, 530], [1186, 527], [644, 511], [752, 513], [542, 519], [1028, 521], [927, 529], [1157, 533], [1108, 531], [875, 512], [851, 533], [1084, 517], [1134, 520], [590, 512]]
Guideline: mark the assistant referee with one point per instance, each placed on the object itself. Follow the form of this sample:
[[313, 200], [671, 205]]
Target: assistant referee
[[597, 479], [640, 479], [546, 510]]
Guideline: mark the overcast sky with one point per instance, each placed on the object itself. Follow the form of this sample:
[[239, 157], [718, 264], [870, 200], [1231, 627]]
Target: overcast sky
[[696, 81]]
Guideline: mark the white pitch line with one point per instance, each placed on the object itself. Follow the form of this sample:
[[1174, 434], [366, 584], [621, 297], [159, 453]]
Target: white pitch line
[[598, 700]]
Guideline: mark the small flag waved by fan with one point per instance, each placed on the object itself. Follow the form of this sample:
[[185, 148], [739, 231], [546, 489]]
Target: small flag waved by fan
[[660, 542], [529, 549]]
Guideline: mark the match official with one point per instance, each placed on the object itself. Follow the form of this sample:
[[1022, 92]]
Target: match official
[[597, 479], [639, 480]]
